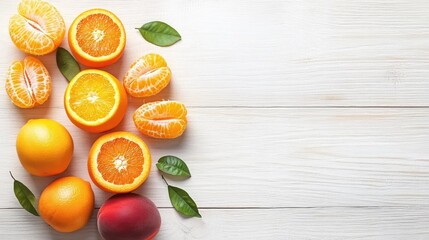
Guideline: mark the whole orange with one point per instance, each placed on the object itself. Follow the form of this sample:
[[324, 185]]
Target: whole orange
[[44, 147], [66, 204]]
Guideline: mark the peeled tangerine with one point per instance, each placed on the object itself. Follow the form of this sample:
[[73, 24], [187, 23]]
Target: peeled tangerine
[[128, 217], [38, 28], [147, 76], [28, 83], [162, 119]]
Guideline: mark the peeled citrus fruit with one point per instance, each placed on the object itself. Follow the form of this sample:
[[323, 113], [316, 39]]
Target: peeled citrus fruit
[[147, 76], [95, 100], [119, 162], [162, 119], [44, 147], [97, 38], [66, 204], [28, 83], [38, 28]]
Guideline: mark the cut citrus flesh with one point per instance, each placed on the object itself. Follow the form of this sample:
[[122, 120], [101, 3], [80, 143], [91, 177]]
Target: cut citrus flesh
[[147, 76], [97, 38], [162, 119], [28, 83], [119, 162], [38, 28], [95, 100]]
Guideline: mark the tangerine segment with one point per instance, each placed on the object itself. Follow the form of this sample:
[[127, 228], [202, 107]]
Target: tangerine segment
[[95, 100], [38, 28], [162, 119], [147, 76], [97, 38], [119, 162], [28, 83]]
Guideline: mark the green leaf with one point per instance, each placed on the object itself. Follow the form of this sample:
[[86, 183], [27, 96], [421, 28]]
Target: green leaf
[[174, 166], [159, 33], [68, 66], [25, 196], [182, 202]]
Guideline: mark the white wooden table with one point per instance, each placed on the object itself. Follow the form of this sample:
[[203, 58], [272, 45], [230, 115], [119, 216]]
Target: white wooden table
[[307, 119]]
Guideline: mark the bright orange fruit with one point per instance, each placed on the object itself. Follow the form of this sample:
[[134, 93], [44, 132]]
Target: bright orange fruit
[[147, 76], [66, 204], [97, 38], [119, 162], [44, 147], [28, 83], [95, 101], [162, 119], [38, 28]]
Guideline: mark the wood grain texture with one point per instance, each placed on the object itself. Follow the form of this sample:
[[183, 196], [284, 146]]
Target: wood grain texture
[[277, 224], [307, 119], [271, 52], [270, 158]]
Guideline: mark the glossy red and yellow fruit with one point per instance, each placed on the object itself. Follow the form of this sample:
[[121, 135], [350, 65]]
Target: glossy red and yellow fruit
[[128, 217]]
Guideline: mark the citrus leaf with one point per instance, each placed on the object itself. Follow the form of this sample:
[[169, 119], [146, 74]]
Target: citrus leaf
[[25, 196], [182, 202], [174, 166], [68, 66], [159, 33]]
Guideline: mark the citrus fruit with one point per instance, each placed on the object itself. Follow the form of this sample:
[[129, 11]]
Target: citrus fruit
[[97, 38], [162, 119], [66, 204], [95, 100], [128, 217], [119, 162], [38, 28], [147, 76], [28, 83], [44, 147]]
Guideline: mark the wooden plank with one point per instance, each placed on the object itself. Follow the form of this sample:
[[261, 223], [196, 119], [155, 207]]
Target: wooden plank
[[270, 52], [276, 224], [268, 157]]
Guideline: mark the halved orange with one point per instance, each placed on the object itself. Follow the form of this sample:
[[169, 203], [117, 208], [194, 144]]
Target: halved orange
[[38, 28], [119, 162], [162, 119], [97, 38], [28, 83], [147, 76], [95, 100]]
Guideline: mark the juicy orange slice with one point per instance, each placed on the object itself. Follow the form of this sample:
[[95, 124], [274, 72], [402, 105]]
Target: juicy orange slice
[[163, 119], [119, 162], [38, 28], [147, 76], [95, 100], [28, 83], [97, 38]]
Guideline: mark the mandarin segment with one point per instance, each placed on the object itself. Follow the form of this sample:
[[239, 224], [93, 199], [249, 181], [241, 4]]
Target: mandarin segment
[[147, 76], [28, 83], [97, 38], [119, 162], [38, 28], [95, 101], [162, 119]]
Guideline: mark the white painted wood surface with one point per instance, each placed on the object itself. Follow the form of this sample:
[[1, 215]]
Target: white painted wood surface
[[307, 119]]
